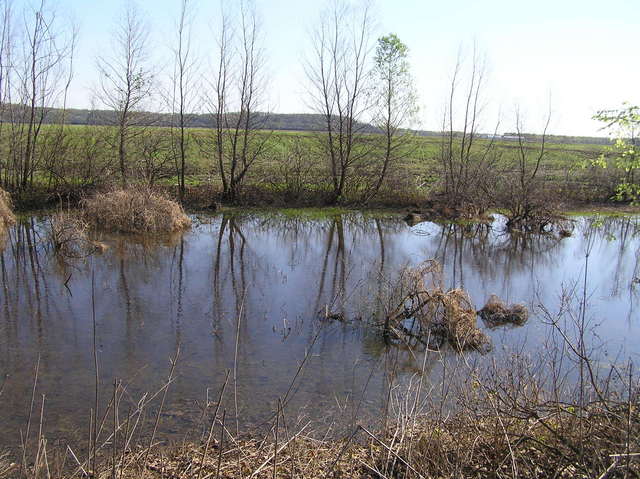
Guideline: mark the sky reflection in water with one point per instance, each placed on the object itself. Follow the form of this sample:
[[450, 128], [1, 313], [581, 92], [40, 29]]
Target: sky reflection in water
[[275, 272]]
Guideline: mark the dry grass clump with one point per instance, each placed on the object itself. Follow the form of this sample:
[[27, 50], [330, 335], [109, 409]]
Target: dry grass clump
[[490, 441], [135, 211], [294, 456], [6, 466], [7, 218], [486, 438], [68, 235], [490, 445], [425, 311], [496, 313], [456, 318], [565, 233]]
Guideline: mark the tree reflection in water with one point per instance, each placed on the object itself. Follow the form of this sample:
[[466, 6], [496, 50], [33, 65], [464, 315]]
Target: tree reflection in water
[[263, 279]]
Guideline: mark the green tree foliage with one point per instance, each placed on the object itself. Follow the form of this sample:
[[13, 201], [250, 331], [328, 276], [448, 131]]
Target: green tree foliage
[[624, 154], [395, 105]]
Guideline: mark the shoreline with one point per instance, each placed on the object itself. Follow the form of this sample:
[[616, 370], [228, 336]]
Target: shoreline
[[206, 198]]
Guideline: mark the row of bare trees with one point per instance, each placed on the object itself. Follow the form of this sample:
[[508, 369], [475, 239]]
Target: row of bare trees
[[36, 67], [37, 49], [350, 86], [351, 94], [361, 88]]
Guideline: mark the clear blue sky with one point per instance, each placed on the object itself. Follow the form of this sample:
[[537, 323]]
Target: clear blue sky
[[582, 53]]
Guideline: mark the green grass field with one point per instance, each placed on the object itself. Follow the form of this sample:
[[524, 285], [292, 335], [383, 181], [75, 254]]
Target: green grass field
[[87, 155]]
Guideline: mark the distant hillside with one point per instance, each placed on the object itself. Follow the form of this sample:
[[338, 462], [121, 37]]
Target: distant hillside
[[267, 121], [279, 121], [271, 121]]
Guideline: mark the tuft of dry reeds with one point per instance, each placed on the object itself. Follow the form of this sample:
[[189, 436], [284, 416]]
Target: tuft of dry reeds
[[296, 456], [457, 318], [6, 466], [135, 211], [485, 437], [68, 235], [7, 218], [496, 313], [424, 309], [565, 233]]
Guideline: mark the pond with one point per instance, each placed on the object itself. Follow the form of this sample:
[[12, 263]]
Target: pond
[[248, 294]]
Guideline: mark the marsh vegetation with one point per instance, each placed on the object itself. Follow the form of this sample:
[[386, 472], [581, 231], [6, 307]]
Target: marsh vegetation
[[139, 340]]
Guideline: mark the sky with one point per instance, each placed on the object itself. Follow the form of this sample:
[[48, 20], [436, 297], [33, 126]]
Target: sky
[[573, 57]]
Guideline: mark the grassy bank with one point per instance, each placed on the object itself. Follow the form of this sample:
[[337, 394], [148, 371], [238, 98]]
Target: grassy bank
[[205, 198], [289, 172]]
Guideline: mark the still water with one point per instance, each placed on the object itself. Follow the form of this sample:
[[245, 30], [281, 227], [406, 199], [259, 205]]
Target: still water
[[247, 293]]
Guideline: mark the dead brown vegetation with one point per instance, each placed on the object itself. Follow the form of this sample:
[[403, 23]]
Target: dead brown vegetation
[[6, 466], [7, 218], [488, 436], [296, 456], [496, 313], [541, 217], [485, 439], [68, 235], [135, 211], [565, 233], [425, 311]]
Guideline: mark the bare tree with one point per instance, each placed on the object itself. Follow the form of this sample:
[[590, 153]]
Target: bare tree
[[40, 76], [92, 151], [84, 158], [6, 50], [58, 140], [522, 192], [338, 77], [184, 89], [236, 96], [466, 162], [219, 97], [126, 80]]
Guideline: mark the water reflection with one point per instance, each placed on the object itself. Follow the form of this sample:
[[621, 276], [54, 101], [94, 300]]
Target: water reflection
[[244, 292]]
